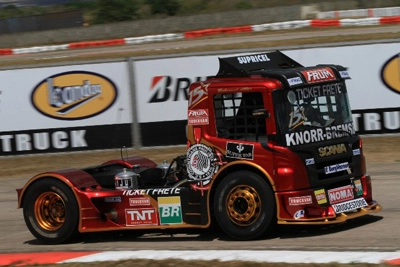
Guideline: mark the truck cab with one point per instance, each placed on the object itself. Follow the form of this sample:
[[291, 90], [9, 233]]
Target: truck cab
[[275, 140]]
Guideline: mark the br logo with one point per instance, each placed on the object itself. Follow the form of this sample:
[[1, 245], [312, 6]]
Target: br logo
[[390, 73], [170, 210]]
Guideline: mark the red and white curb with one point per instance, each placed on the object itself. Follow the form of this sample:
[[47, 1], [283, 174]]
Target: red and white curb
[[207, 32], [267, 256]]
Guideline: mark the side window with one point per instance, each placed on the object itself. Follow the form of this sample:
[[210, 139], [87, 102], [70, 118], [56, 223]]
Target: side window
[[234, 116]]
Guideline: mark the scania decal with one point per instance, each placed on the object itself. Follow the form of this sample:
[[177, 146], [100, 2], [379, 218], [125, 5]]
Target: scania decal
[[167, 88], [319, 75], [332, 150], [74, 95], [390, 73], [319, 134]]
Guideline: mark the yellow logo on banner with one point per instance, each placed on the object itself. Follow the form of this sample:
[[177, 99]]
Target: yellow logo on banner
[[74, 95], [390, 73]]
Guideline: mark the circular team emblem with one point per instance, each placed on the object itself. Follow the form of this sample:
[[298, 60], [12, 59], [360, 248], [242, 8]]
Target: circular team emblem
[[200, 162]]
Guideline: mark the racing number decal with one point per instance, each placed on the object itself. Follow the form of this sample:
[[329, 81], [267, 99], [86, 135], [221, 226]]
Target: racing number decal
[[297, 117]]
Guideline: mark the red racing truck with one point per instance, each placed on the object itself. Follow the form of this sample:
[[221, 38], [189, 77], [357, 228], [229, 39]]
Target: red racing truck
[[269, 141]]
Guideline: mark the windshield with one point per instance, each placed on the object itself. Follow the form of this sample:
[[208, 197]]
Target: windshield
[[313, 114]]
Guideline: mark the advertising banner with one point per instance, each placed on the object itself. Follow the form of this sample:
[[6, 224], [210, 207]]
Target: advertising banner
[[65, 108], [162, 93], [374, 88], [162, 85]]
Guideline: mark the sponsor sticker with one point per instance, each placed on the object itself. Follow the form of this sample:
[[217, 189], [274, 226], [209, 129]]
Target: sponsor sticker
[[170, 210], [303, 200], [239, 151], [201, 162], [198, 117], [74, 95], [310, 161], [140, 201], [299, 214], [356, 152], [151, 191], [113, 199], [358, 187], [294, 81], [145, 216], [319, 75], [349, 205], [344, 74], [336, 168], [340, 194], [320, 196], [319, 134], [253, 59], [317, 90]]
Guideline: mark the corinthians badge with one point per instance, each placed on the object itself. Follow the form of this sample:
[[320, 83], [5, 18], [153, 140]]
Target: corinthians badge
[[201, 165]]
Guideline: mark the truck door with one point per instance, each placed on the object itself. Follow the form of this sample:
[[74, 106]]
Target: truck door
[[234, 116]]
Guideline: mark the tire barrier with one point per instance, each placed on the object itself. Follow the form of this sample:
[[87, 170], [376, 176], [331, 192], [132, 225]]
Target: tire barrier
[[369, 12], [208, 32]]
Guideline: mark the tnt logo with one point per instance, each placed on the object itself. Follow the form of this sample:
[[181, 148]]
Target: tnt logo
[[170, 210], [146, 216]]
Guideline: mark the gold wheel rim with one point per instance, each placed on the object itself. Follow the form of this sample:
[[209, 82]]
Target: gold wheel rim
[[243, 205], [50, 211]]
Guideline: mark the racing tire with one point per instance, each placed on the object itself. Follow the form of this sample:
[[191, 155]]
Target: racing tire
[[51, 211], [244, 205]]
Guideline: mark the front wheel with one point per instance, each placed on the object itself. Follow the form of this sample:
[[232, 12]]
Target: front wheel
[[51, 211], [244, 205]]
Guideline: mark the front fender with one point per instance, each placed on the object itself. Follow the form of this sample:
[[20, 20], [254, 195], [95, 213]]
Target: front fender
[[71, 177]]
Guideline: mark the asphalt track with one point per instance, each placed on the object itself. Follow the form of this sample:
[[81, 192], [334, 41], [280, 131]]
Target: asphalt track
[[376, 233]]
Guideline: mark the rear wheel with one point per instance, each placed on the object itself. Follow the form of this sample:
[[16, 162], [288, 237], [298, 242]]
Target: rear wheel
[[244, 205], [51, 211]]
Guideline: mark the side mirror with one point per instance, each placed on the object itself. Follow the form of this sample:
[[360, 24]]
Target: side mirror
[[260, 113]]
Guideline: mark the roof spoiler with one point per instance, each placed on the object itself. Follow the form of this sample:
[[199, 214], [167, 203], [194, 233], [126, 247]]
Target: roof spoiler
[[245, 65]]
